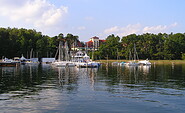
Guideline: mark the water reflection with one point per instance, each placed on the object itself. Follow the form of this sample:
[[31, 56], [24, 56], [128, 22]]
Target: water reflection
[[43, 88], [15, 78], [159, 76], [145, 69], [21, 81], [70, 78]]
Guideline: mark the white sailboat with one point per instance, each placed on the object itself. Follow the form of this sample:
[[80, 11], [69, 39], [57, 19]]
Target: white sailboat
[[134, 59], [63, 61], [145, 62], [60, 62], [69, 63]]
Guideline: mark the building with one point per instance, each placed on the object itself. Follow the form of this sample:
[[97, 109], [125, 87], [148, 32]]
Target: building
[[78, 46], [94, 43]]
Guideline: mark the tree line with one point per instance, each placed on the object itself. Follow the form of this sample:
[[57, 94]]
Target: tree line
[[162, 46], [17, 42]]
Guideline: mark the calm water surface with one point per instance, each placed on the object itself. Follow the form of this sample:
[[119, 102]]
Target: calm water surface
[[109, 89]]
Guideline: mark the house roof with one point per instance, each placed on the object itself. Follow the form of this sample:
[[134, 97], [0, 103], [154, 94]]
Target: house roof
[[79, 44], [95, 37], [102, 40], [89, 42]]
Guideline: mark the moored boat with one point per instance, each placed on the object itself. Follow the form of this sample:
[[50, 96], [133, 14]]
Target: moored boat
[[87, 64], [145, 62], [9, 63], [134, 59], [63, 57], [81, 59]]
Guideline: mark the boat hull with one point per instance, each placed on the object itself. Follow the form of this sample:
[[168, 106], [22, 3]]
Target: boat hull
[[88, 65]]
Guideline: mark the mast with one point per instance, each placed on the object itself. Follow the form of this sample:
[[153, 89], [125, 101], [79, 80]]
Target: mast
[[31, 53], [56, 53], [66, 52], [134, 52], [59, 52], [117, 55], [60, 56]]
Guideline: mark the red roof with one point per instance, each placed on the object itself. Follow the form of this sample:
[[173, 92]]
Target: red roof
[[79, 44], [89, 44], [102, 40]]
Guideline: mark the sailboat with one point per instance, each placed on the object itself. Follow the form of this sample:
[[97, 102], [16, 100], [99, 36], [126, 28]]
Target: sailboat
[[63, 61], [134, 59], [69, 63], [60, 62]]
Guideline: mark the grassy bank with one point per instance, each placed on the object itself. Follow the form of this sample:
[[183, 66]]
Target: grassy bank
[[168, 61], [152, 61]]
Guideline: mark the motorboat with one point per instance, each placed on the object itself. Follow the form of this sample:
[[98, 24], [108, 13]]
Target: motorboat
[[145, 62]]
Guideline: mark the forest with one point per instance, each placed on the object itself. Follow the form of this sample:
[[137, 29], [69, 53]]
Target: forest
[[16, 42], [162, 46], [152, 46]]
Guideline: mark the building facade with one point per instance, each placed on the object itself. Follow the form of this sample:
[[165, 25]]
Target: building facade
[[94, 43]]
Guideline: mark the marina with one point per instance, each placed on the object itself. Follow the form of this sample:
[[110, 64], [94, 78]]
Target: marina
[[9, 63], [92, 56]]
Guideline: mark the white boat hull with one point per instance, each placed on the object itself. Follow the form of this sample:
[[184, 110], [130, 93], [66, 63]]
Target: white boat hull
[[144, 62]]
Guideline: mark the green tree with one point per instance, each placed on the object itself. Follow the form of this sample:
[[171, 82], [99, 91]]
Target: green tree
[[110, 48]]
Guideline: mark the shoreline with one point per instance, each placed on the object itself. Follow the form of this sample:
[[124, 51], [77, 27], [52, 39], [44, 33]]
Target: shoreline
[[152, 61]]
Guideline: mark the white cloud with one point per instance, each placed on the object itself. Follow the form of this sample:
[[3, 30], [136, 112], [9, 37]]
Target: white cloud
[[112, 30], [174, 24], [130, 29], [39, 13], [138, 29], [159, 28], [122, 31], [154, 29]]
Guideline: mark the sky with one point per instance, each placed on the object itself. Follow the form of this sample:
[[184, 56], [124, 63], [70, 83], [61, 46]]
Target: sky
[[89, 18]]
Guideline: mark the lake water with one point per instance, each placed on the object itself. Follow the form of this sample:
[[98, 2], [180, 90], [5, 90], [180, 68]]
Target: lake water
[[108, 89]]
